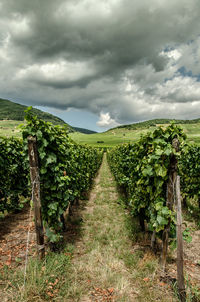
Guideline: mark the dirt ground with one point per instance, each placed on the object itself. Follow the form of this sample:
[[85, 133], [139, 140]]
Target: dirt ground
[[191, 257], [14, 230], [14, 235]]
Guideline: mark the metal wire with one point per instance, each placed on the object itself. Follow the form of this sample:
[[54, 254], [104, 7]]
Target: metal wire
[[28, 237], [27, 248]]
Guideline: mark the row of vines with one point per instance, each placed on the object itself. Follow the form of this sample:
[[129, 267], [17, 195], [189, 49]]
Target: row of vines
[[66, 171], [13, 175], [190, 178], [142, 170], [148, 173]]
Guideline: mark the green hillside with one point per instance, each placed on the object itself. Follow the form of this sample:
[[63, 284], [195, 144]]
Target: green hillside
[[11, 111], [154, 123], [85, 131], [12, 114], [131, 133]]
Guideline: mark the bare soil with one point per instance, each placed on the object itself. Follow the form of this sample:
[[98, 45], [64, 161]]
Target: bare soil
[[14, 230], [191, 257]]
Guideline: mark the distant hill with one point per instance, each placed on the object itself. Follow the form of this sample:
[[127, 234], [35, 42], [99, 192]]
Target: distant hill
[[151, 123], [85, 131], [13, 111]]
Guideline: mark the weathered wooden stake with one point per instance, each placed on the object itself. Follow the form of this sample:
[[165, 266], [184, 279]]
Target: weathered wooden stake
[[35, 180], [170, 201], [180, 274], [153, 240]]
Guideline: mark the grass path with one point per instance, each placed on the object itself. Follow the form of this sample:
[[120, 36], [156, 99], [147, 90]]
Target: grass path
[[104, 258], [107, 264]]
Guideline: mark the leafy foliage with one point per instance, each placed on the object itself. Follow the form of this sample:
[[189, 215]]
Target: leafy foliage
[[142, 170], [66, 170], [13, 174], [190, 172]]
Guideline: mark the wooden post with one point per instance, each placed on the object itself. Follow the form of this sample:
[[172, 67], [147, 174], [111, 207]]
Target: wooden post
[[170, 201], [153, 240], [180, 274], [35, 180]]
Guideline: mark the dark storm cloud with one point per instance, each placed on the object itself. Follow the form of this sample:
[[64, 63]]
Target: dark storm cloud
[[115, 56], [120, 38]]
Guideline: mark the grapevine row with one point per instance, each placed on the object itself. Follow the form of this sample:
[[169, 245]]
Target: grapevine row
[[66, 171], [190, 174], [13, 174], [142, 169]]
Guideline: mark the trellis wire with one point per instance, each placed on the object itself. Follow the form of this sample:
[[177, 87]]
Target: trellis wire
[[28, 238]]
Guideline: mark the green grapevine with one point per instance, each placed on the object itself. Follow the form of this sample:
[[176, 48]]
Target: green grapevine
[[13, 174], [190, 172], [66, 170], [142, 170]]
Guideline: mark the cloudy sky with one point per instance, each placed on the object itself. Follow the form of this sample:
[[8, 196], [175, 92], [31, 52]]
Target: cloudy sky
[[98, 64]]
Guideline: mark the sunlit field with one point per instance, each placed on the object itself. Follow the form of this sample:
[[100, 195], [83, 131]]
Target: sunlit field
[[119, 136], [110, 138], [10, 128]]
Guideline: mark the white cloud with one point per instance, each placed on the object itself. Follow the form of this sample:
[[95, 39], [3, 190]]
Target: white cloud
[[106, 121], [175, 54], [56, 71]]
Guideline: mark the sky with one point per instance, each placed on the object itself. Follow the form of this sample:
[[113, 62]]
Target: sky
[[100, 64]]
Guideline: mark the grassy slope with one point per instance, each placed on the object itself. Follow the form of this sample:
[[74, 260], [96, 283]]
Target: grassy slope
[[15, 112], [10, 128], [155, 122], [113, 137], [123, 135], [85, 131]]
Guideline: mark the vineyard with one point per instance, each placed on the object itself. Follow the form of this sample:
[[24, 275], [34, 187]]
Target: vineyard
[[147, 172], [142, 170], [13, 174], [66, 171]]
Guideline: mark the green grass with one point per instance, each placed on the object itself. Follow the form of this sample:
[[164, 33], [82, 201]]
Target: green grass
[[118, 136], [13, 111], [10, 128], [110, 138], [193, 132], [45, 280]]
